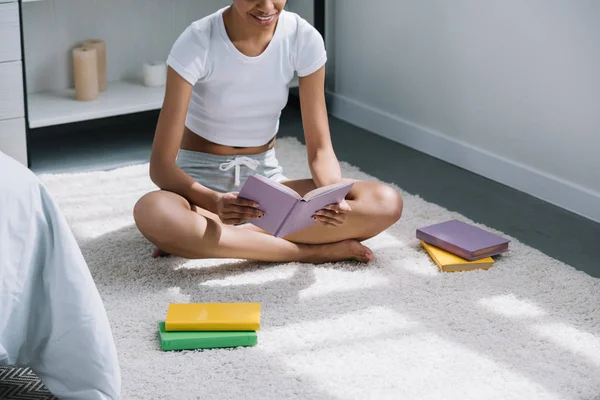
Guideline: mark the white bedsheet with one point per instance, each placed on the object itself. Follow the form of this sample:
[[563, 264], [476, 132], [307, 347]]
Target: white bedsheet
[[52, 318]]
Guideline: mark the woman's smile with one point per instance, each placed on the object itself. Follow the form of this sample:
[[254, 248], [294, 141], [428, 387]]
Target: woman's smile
[[264, 19]]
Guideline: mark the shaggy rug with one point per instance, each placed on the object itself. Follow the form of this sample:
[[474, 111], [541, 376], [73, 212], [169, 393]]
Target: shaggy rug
[[528, 328]]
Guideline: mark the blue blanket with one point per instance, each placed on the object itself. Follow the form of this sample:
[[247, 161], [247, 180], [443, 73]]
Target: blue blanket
[[51, 315]]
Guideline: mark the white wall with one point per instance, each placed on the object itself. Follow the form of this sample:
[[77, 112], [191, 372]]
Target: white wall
[[508, 89], [135, 31]]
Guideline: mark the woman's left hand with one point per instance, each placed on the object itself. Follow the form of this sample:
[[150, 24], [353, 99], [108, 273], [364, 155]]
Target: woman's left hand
[[334, 214]]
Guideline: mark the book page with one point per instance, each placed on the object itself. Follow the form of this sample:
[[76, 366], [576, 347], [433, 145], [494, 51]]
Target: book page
[[301, 216], [275, 202], [324, 190], [279, 186]]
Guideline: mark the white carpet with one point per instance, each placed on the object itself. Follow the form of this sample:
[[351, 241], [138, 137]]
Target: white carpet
[[529, 328]]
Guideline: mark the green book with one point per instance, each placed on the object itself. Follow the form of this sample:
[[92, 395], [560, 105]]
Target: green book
[[192, 340]]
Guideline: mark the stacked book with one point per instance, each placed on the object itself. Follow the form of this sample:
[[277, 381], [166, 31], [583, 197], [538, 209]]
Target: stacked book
[[457, 246], [192, 326]]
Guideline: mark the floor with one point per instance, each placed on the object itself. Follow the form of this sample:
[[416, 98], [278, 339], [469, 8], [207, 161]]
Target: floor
[[550, 229]]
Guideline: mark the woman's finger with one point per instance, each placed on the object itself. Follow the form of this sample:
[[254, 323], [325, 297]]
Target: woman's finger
[[231, 221], [239, 201], [250, 212], [327, 213], [333, 207], [340, 218], [243, 216], [342, 207], [327, 221], [332, 214]]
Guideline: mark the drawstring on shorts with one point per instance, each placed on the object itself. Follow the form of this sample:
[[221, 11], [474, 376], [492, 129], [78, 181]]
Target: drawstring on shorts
[[237, 163]]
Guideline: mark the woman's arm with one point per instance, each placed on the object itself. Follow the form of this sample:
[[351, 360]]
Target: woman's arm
[[322, 160], [164, 172]]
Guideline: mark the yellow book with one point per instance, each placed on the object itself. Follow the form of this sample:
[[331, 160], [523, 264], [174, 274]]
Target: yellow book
[[213, 317], [448, 262]]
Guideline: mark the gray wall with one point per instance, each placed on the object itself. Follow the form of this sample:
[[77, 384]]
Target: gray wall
[[305, 8], [509, 89], [135, 31]]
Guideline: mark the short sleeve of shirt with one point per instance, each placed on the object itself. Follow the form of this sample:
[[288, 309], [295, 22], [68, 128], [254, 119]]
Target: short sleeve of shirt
[[188, 54], [311, 54]]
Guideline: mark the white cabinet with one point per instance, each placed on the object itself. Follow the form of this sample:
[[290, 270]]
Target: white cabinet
[[13, 137], [12, 103], [10, 33]]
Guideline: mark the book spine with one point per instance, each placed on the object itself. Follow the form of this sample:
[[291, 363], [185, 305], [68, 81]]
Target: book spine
[[444, 245], [491, 251], [212, 327], [282, 230], [210, 343]]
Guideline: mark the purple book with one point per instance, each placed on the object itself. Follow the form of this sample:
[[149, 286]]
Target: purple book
[[462, 239], [285, 210]]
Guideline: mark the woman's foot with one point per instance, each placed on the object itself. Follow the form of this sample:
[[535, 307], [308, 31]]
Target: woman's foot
[[322, 253], [159, 253], [341, 251]]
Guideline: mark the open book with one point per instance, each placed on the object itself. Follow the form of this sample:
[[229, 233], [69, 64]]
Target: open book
[[285, 210]]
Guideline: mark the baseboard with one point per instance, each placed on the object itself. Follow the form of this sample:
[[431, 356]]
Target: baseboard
[[536, 183]]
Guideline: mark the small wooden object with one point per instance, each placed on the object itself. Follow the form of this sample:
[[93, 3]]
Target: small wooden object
[[100, 47], [85, 73]]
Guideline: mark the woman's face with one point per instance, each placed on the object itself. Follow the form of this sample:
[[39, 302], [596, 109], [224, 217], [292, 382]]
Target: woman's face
[[260, 13]]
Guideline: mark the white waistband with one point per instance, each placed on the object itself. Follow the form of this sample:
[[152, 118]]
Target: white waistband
[[237, 162]]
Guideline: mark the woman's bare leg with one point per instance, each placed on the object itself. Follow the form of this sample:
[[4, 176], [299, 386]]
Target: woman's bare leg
[[375, 207], [167, 220]]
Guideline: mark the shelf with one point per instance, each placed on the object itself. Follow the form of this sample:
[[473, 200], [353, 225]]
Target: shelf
[[54, 108]]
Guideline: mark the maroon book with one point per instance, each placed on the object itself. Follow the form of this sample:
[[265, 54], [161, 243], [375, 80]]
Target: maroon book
[[462, 239]]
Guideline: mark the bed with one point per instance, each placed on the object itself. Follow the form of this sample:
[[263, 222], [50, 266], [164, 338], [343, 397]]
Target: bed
[[52, 319]]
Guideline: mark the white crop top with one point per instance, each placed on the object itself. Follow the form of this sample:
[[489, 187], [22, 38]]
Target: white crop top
[[237, 100]]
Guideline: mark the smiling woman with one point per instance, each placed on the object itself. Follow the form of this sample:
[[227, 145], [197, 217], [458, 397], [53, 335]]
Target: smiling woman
[[263, 16], [227, 84]]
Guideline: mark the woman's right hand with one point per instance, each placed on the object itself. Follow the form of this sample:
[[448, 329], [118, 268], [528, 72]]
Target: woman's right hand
[[233, 210]]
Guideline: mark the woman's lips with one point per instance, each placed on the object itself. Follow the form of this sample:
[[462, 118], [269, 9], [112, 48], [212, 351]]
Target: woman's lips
[[264, 19]]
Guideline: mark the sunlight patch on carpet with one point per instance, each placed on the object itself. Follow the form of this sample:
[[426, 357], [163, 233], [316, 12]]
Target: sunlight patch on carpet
[[100, 226], [583, 344], [207, 263], [176, 295], [426, 363], [511, 306], [359, 326], [385, 241], [329, 281], [254, 277], [420, 266]]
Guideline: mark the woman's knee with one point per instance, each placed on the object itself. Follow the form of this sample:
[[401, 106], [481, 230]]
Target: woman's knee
[[389, 203], [145, 206], [151, 212]]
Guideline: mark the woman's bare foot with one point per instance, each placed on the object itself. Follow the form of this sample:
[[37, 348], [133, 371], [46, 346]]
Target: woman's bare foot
[[159, 253], [340, 251], [321, 253]]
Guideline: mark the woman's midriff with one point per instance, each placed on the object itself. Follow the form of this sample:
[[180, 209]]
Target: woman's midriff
[[193, 142]]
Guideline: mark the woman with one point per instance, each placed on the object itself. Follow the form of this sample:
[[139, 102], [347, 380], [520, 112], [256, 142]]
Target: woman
[[227, 83]]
